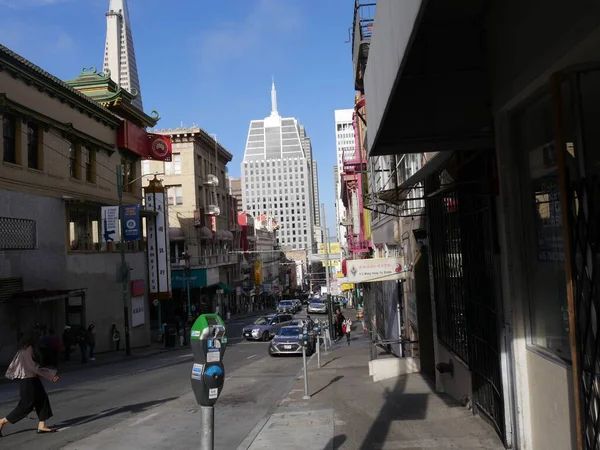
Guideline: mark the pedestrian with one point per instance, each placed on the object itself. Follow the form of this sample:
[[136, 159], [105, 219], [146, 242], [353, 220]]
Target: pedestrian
[[54, 347], [218, 311], [33, 396], [346, 328], [340, 324], [116, 336], [82, 341], [91, 340], [67, 342]]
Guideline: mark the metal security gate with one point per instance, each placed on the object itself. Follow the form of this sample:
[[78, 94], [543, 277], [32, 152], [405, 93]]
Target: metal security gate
[[463, 248]]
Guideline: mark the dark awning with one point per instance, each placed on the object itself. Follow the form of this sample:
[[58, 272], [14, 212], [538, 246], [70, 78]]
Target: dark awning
[[219, 285], [42, 295]]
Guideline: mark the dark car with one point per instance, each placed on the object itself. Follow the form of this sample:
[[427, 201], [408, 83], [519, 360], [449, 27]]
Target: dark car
[[265, 327], [287, 341]]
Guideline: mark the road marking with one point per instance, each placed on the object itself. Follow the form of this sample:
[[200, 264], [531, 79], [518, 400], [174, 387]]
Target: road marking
[[186, 356], [251, 356], [89, 419], [143, 419]]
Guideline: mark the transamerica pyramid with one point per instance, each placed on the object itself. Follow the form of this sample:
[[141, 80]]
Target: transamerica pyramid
[[119, 54]]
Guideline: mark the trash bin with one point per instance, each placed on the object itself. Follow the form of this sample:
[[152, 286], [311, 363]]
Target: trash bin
[[170, 336]]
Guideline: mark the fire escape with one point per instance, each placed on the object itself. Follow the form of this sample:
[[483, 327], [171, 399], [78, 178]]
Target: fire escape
[[355, 163]]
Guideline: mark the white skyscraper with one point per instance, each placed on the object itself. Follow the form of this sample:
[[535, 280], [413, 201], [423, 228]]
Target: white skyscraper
[[119, 54], [345, 151], [277, 177]]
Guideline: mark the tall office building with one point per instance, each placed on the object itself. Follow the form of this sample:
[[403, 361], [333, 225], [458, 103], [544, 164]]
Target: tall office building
[[119, 54], [277, 177], [307, 146], [345, 151]]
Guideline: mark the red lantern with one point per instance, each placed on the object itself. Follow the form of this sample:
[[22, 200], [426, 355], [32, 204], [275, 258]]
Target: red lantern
[[344, 268]]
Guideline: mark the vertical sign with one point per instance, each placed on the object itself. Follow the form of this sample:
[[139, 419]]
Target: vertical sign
[[158, 254], [131, 222], [110, 224]]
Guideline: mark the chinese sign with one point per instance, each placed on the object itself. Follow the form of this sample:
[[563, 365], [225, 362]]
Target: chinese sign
[[138, 312], [110, 224], [158, 255], [334, 247], [130, 215], [376, 269], [258, 278]]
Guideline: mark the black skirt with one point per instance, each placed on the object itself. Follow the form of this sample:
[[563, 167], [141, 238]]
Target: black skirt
[[33, 395]]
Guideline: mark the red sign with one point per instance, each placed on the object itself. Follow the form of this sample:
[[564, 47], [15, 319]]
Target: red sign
[[159, 147], [133, 138], [138, 287]]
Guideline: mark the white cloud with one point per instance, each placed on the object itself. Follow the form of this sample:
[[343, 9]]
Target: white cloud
[[267, 23], [33, 41]]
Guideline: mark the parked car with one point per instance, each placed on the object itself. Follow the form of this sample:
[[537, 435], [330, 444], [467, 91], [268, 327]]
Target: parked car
[[287, 342], [316, 306], [286, 306], [297, 304], [266, 327]]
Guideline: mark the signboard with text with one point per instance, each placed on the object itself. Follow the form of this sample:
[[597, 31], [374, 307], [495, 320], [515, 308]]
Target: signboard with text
[[130, 215], [158, 253], [110, 224], [375, 269]]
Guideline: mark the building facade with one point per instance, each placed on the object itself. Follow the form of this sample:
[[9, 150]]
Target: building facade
[[203, 227], [119, 52], [236, 192], [59, 154], [345, 150], [277, 178], [509, 179]]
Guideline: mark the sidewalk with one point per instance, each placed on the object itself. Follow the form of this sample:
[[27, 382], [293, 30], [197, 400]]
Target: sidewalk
[[347, 410]]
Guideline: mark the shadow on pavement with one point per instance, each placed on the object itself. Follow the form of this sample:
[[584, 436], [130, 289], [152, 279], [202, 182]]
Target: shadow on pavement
[[333, 380], [330, 361], [398, 405], [133, 409], [335, 442]]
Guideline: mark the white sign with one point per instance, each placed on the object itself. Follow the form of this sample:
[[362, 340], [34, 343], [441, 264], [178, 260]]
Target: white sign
[[375, 269], [213, 393], [158, 254], [110, 224], [138, 312], [213, 356]]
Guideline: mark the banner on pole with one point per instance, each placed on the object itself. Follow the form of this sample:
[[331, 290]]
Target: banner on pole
[[130, 215], [110, 224]]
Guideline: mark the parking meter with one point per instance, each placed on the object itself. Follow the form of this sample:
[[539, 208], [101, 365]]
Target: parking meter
[[305, 336], [208, 341]]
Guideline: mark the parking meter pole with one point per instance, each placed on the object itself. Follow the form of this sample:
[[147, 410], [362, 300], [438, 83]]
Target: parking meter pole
[[319, 352], [306, 396], [207, 436]]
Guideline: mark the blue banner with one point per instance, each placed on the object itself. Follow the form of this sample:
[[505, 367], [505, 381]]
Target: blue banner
[[130, 215]]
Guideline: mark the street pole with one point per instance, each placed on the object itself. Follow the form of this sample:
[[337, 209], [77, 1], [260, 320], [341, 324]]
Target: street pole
[[306, 396], [124, 270], [329, 302], [319, 349], [207, 434]]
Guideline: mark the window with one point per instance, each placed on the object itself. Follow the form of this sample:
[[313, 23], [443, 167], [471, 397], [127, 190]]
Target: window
[[175, 195], [174, 166], [548, 320], [9, 138], [74, 151], [146, 167], [33, 145], [90, 165], [128, 173], [17, 234], [84, 228]]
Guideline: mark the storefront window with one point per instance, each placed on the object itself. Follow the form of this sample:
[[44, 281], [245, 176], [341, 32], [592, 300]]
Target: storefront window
[[542, 220]]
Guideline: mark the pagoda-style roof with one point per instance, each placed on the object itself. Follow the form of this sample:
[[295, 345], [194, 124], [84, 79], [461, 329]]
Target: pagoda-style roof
[[102, 89]]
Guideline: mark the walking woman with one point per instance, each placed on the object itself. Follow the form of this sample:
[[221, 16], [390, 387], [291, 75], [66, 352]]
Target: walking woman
[[33, 395]]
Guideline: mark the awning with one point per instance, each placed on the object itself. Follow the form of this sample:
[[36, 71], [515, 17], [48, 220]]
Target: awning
[[205, 233], [227, 235], [219, 285], [43, 295], [398, 195], [176, 234]]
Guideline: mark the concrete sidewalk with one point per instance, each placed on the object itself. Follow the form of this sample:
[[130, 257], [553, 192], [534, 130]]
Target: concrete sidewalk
[[347, 410]]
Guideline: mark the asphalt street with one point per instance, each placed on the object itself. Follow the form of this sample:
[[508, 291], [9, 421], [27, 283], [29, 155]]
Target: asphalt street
[[144, 397]]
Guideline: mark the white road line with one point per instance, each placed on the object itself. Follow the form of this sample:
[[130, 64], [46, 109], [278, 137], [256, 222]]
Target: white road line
[[143, 419], [89, 419], [251, 356], [186, 356]]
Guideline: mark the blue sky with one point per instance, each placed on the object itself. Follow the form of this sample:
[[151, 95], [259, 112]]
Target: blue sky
[[210, 63]]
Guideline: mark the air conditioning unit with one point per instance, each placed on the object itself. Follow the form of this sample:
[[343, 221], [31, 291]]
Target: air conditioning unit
[[211, 180], [213, 210]]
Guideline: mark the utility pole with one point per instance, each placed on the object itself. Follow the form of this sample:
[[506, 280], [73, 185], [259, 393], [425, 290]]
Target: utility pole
[[329, 300], [124, 269]]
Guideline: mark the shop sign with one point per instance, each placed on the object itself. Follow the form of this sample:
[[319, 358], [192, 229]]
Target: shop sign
[[375, 269]]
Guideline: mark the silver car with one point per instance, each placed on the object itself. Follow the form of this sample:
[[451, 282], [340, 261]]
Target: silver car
[[316, 306], [287, 342], [265, 327]]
